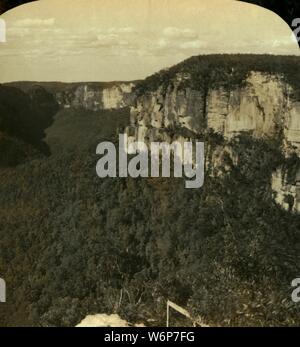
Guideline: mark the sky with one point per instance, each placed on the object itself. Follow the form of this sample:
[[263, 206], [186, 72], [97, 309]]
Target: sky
[[114, 40]]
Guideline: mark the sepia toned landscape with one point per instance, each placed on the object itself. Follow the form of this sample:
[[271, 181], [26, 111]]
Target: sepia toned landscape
[[74, 245]]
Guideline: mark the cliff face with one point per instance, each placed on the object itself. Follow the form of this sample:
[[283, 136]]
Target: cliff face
[[223, 95], [261, 107], [264, 105], [96, 98], [287, 194]]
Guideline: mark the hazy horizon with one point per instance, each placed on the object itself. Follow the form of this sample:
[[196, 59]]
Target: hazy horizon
[[125, 81], [107, 42]]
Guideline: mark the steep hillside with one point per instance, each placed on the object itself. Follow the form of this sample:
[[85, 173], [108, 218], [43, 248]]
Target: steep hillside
[[227, 95], [93, 96], [74, 245], [23, 119]]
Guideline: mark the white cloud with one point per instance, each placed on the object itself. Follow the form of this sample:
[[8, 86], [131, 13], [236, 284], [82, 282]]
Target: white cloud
[[28, 26], [109, 37], [162, 43], [28, 22], [192, 44], [125, 30], [179, 33], [106, 40], [284, 41]]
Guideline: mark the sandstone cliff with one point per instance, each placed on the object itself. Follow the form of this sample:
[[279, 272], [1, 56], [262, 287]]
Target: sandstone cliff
[[94, 98], [263, 103]]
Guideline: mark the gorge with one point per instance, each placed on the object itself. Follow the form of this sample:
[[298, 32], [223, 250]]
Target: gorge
[[227, 252]]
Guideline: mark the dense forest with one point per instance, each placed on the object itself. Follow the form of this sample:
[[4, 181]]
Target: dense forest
[[73, 244], [23, 120]]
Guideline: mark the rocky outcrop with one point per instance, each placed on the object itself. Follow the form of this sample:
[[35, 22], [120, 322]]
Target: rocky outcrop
[[257, 107], [263, 105], [292, 126], [105, 320], [96, 98], [286, 194], [176, 107]]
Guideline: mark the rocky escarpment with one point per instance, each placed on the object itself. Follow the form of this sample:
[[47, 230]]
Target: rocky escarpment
[[261, 107], [287, 193], [183, 103], [96, 97]]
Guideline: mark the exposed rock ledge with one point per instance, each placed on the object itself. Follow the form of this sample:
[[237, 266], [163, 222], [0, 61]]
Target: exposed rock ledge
[[262, 106], [96, 98], [104, 320]]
